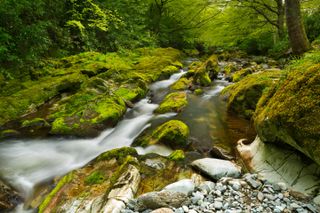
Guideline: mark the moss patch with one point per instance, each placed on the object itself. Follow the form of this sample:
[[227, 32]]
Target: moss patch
[[237, 76], [174, 102], [94, 88], [173, 133], [290, 111], [182, 84], [177, 155], [244, 95]]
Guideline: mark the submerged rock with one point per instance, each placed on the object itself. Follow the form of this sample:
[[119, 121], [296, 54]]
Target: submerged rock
[[216, 168], [173, 133], [290, 113]]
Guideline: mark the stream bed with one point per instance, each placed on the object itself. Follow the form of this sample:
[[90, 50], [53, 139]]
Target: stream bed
[[31, 163]]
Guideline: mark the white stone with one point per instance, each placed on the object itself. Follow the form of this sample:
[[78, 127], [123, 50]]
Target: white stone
[[185, 186], [216, 168], [217, 205]]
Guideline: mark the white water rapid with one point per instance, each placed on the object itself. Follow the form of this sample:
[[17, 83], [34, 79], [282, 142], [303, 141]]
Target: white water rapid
[[27, 163]]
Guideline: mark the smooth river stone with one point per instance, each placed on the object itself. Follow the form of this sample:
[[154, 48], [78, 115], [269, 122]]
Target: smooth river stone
[[185, 186], [216, 168]]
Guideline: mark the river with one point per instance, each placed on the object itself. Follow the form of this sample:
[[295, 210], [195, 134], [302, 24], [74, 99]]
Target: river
[[28, 164]]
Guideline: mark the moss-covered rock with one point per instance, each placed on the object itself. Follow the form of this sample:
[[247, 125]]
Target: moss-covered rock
[[173, 133], [94, 88], [244, 95], [205, 72], [198, 91], [237, 76], [290, 112], [182, 84], [35, 123], [9, 133], [92, 186], [174, 102]]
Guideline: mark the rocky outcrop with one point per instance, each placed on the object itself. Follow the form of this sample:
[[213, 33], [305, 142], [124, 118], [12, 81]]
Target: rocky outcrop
[[243, 96], [277, 164], [107, 183], [216, 168], [289, 113]]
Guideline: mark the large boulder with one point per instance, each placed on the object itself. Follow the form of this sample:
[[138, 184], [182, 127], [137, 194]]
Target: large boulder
[[277, 164], [173, 133], [216, 168], [291, 115], [243, 96]]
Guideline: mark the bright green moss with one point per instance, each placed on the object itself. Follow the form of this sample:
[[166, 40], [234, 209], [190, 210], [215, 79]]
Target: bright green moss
[[95, 177], [174, 102], [244, 95], [237, 76], [8, 133], [36, 122], [182, 84], [290, 111], [120, 154], [198, 92], [66, 179], [59, 126], [177, 64], [173, 133], [177, 155]]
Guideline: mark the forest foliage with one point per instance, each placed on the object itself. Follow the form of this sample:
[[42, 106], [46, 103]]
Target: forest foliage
[[31, 31]]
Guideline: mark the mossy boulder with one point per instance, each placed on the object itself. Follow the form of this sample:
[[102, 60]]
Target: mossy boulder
[[182, 84], [243, 96], [237, 76], [205, 72], [290, 112], [173, 133], [174, 102]]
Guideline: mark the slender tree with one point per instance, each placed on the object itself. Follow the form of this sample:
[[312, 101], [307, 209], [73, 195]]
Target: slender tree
[[297, 34]]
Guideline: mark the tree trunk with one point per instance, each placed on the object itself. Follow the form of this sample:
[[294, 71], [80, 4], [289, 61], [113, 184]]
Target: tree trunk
[[280, 20], [297, 34]]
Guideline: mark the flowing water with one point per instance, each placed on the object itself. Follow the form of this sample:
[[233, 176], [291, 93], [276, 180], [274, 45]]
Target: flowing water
[[26, 164]]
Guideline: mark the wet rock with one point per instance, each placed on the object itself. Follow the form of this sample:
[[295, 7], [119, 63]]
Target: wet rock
[[216, 168], [9, 198], [155, 200], [217, 152]]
